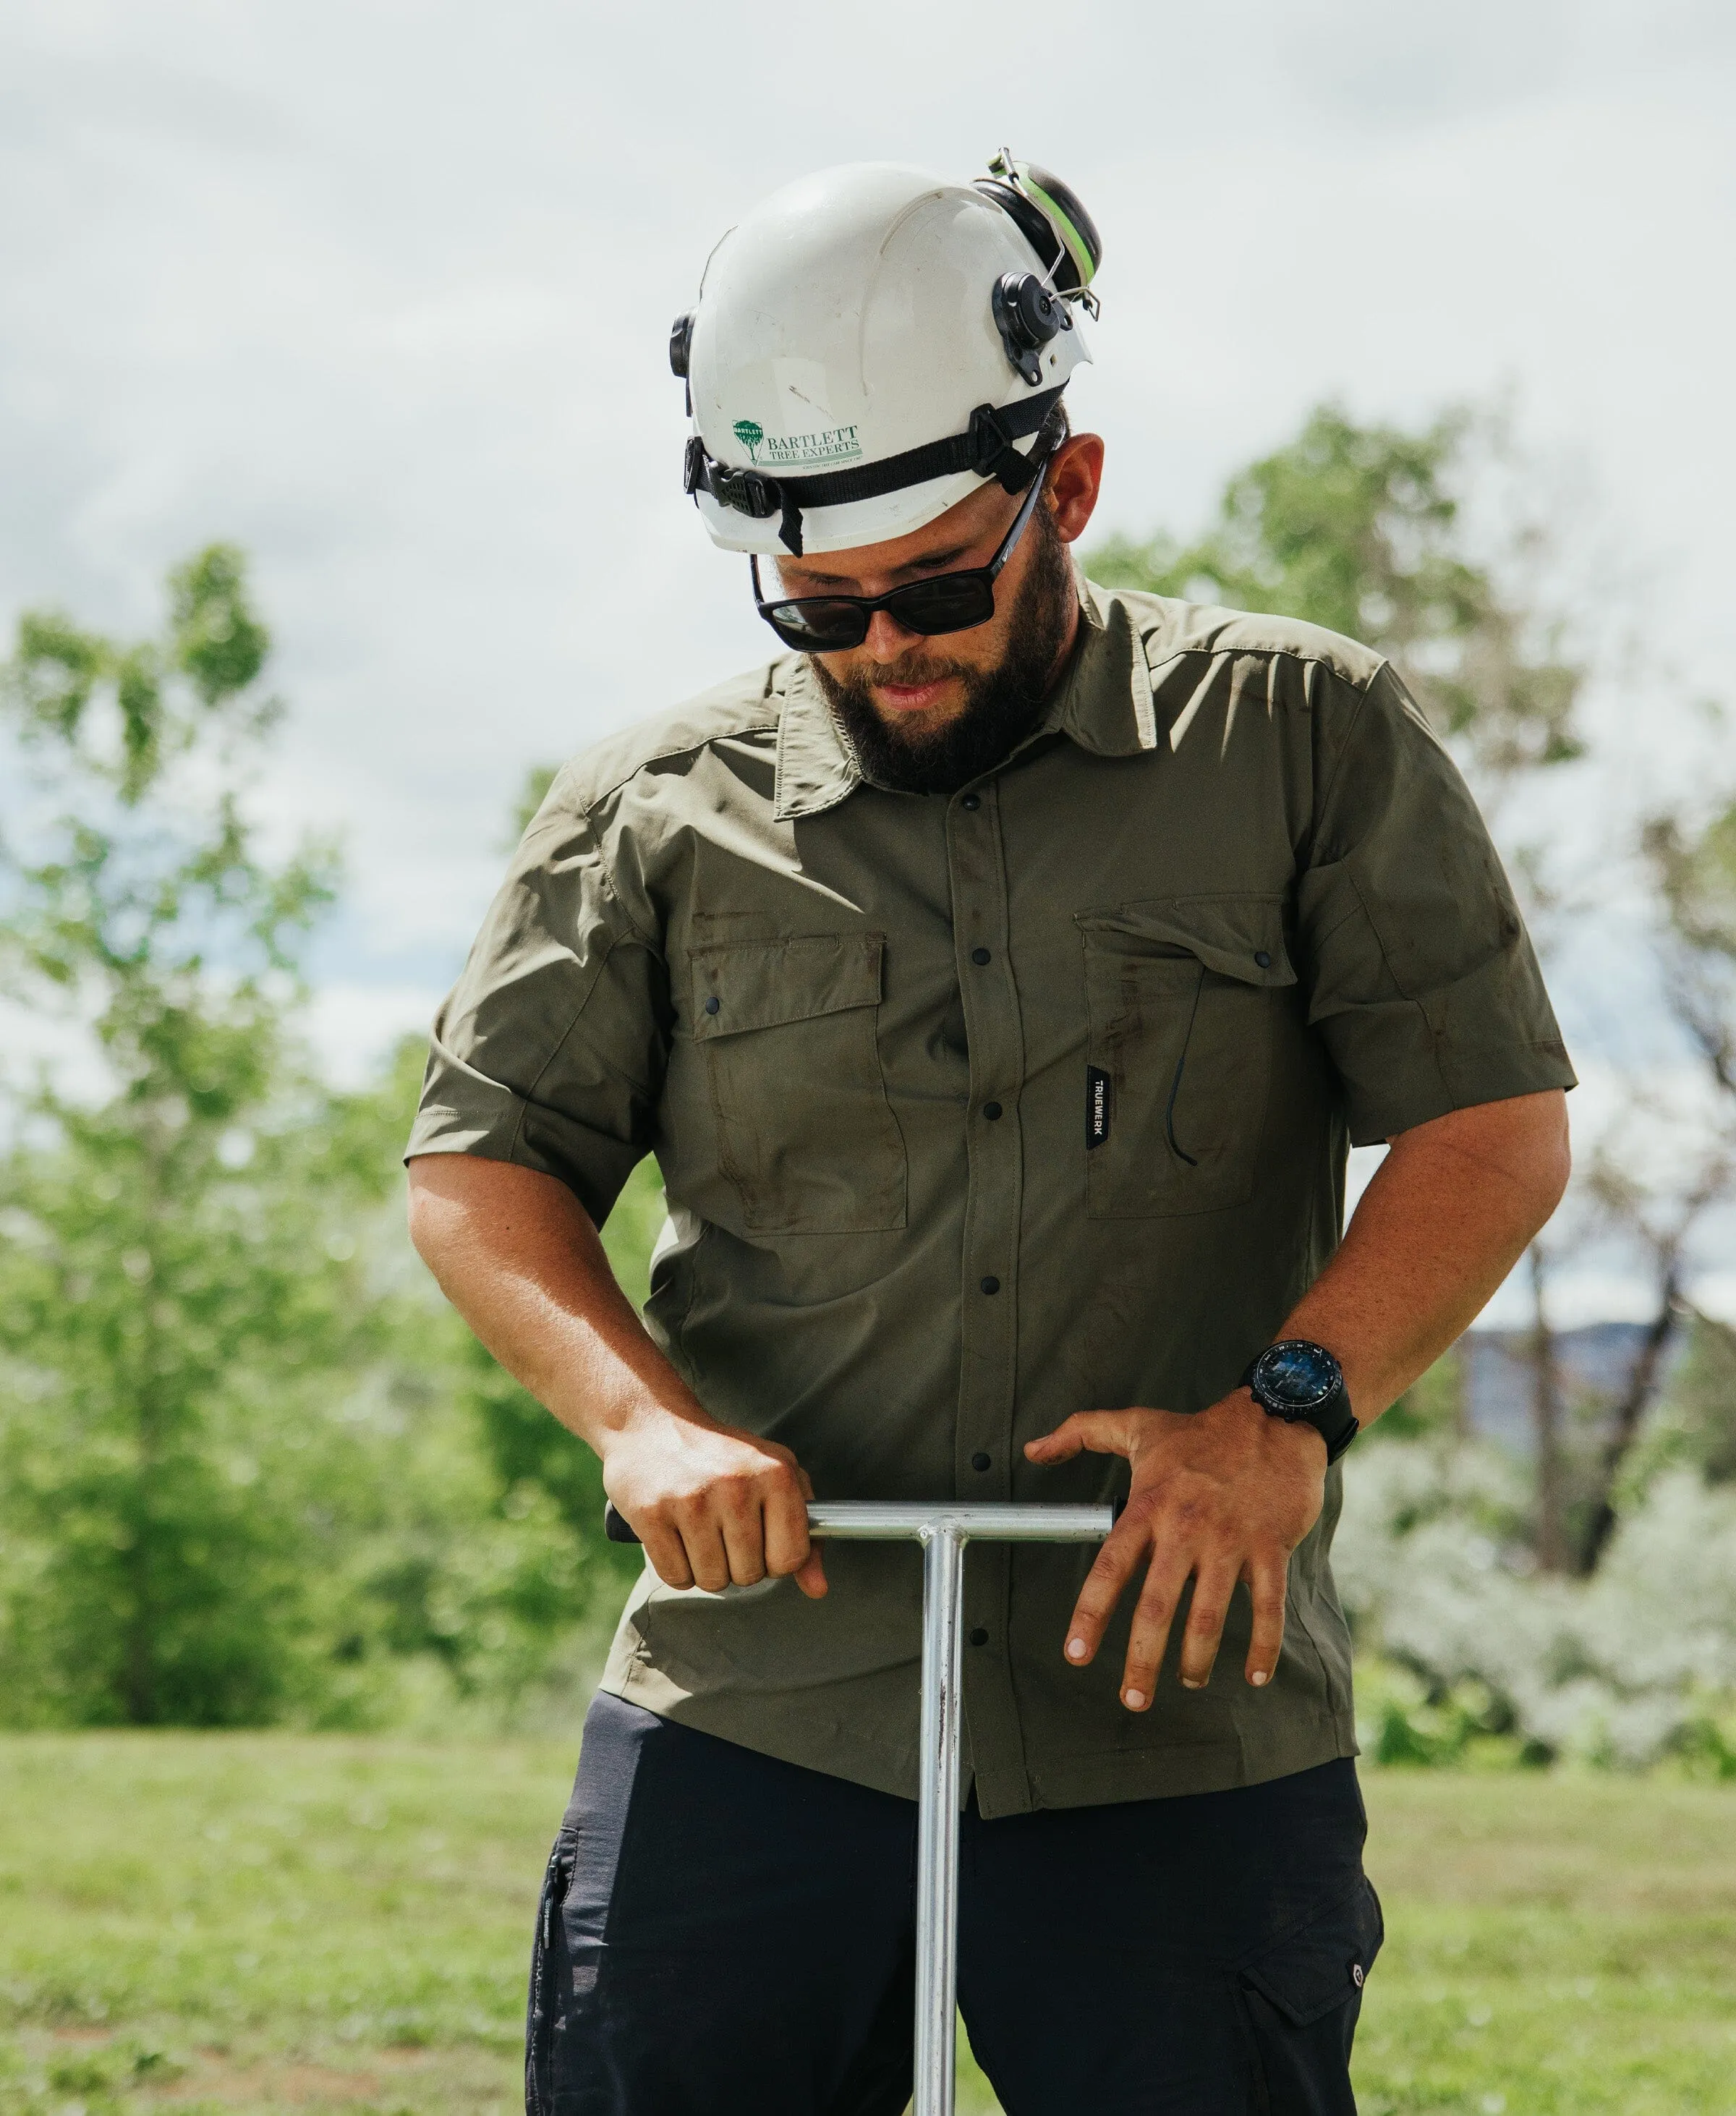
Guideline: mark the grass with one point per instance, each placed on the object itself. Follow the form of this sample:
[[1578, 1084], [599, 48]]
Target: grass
[[205, 1924]]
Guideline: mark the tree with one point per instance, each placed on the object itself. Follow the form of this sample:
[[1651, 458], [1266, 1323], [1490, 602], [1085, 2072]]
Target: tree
[[145, 1290], [1361, 529], [244, 1472]]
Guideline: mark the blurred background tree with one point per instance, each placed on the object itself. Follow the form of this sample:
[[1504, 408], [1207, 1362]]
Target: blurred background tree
[[1363, 529], [248, 1467]]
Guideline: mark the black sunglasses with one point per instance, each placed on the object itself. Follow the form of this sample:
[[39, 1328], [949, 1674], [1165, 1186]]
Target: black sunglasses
[[950, 602]]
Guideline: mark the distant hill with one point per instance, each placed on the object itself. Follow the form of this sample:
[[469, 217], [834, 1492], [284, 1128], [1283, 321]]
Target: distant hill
[[1595, 1364]]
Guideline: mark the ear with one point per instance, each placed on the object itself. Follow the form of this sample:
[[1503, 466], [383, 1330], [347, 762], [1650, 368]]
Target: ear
[[1075, 478]]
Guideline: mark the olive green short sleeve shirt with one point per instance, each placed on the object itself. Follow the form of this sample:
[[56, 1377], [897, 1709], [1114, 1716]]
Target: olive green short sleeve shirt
[[975, 1111]]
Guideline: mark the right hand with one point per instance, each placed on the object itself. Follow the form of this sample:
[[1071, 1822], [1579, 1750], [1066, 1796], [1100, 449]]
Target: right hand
[[714, 1506]]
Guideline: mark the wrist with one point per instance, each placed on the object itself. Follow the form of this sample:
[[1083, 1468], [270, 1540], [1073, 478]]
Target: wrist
[[1297, 1380], [632, 1422], [1299, 1442]]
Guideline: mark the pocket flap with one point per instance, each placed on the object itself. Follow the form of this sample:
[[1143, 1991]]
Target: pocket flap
[[758, 984], [1238, 936], [1306, 1975]]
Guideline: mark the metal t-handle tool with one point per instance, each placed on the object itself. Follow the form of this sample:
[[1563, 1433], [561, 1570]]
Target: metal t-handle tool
[[942, 1529]]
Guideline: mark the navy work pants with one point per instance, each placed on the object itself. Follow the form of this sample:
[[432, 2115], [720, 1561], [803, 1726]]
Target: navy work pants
[[724, 1934]]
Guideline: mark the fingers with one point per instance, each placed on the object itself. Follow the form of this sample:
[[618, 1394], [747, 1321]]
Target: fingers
[[736, 1529], [1266, 1581], [785, 1514], [1096, 1431], [1127, 1544], [667, 1554], [1148, 1636], [810, 1576], [1212, 1585]]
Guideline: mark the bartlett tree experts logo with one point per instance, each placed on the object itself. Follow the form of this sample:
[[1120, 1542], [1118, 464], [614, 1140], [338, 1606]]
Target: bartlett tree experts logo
[[831, 444]]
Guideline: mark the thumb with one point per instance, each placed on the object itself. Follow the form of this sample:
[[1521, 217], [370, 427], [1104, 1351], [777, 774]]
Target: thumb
[[810, 1575], [1060, 1446]]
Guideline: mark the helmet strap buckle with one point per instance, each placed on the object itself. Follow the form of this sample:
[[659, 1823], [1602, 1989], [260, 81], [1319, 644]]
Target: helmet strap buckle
[[993, 453]]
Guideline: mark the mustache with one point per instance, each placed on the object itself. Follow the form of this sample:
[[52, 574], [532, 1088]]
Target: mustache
[[911, 669]]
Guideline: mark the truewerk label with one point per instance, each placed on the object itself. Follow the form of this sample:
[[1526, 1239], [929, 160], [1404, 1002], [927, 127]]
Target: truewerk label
[[830, 445]]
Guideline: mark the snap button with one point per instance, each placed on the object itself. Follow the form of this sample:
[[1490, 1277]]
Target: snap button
[[971, 801], [1264, 960], [991, 1285], [980, 1462], [991, 1111], [713, 1004], [979, 1637], [980, 956]]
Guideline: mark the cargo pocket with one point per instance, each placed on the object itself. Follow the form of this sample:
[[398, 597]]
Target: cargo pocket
[[1183, 997], [1301, 1998], [547, 2024], [806, 1135]]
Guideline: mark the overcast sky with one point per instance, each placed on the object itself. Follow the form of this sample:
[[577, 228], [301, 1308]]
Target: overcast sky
[[382, 292]]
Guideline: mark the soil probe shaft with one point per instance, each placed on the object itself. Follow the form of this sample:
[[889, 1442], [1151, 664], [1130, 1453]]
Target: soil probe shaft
[[943, 1530]]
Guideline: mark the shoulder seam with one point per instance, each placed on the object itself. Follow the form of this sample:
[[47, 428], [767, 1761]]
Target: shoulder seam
[[1267, 654], [675, 749]]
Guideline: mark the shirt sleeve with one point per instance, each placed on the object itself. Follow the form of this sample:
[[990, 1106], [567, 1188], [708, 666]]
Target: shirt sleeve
[[1422, 980], [549, 1050]]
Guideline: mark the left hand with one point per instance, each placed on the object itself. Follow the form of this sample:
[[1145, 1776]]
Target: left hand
[[1218, 1497]]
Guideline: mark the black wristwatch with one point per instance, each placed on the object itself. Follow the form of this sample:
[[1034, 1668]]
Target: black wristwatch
[[1304, 1384]]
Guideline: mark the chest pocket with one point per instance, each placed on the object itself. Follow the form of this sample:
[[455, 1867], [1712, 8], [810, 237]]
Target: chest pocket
[[1183, 996], [806, 1134]]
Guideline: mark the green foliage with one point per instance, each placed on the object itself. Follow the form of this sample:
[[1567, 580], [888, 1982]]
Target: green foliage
[[162, 696], [1359, 529], [249, 1466], [1403, 1719]]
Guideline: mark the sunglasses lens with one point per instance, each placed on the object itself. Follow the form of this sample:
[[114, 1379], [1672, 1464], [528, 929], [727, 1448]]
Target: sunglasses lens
[[953, 602], [818, 622]]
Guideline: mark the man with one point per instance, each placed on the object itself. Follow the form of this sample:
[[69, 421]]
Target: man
[[998, 977]]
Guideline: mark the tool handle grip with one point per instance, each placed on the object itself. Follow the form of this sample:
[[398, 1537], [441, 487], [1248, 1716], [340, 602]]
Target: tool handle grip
[[616, 1526]]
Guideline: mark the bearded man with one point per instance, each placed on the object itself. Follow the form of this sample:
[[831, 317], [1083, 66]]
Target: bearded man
[[998, 977]]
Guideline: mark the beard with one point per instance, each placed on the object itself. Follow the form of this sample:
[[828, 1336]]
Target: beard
[[1003, 705]]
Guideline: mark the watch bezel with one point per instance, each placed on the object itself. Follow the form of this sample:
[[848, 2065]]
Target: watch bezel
[[1280, 1400]]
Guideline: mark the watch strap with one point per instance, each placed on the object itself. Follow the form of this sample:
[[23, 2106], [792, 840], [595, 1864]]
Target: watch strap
[[1333, 1418]]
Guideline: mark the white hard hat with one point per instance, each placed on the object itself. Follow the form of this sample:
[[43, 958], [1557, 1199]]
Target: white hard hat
[[872, 344]]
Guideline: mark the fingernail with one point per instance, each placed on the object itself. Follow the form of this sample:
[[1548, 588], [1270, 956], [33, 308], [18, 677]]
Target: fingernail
[[1076, 1650], [1134, 1700], [1258, 1678], [1188, 1683]]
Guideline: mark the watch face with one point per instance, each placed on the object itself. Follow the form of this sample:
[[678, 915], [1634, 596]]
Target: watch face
[[1297, 1374]]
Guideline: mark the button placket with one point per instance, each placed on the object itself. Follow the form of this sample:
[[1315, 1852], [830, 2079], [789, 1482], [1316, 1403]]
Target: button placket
[[988, 1376]]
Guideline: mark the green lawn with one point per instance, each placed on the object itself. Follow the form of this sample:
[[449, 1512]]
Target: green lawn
[[217, 1923]]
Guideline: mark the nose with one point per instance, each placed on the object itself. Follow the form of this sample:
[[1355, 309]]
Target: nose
[[887, 638]]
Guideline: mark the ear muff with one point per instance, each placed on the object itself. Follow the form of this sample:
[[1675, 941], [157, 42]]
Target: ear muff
[[1050, 216]]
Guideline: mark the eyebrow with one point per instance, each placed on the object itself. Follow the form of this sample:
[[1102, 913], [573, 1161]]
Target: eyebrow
[[931, 562]]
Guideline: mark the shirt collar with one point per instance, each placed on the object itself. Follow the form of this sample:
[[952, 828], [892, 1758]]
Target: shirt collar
[[1104, 699], [816, 769], [1104, 703]]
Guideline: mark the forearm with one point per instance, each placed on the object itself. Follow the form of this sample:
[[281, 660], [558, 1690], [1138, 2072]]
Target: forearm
[[1448, 1212], [518, 1257]]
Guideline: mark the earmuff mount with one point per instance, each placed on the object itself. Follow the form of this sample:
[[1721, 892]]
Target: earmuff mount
[[1027, 315]]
